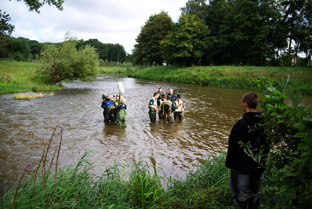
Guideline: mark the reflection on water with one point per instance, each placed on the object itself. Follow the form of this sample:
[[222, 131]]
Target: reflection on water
[[27, 125]]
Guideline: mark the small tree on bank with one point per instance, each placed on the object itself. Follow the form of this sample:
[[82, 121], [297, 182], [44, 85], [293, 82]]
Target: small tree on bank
[[63, 61]]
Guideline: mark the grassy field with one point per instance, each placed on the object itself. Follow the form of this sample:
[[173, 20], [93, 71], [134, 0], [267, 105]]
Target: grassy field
[[241, 77], [21, 77]]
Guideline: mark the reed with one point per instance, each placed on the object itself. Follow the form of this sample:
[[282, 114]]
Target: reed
[[77, 186]]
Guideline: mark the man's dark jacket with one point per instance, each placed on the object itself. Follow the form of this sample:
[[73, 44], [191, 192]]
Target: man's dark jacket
[[243, 131]]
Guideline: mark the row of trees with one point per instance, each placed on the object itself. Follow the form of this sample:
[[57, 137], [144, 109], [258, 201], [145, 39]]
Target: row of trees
[[23, 49], [225, 32]]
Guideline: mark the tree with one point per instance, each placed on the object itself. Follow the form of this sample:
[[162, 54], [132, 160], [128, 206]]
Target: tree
[[34, 5], [5, 27], [148, 49], [18, 49], [188, 41], [195, 7], [63, 61]]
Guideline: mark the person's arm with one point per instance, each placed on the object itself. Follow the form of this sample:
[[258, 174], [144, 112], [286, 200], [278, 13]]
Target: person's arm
[[233, 147]]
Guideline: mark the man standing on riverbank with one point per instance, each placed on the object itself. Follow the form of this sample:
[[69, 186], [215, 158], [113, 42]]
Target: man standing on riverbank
[[246, 173]]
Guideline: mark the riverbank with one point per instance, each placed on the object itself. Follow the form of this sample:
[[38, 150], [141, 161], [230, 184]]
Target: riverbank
[[16, 77], [77, 187], [238, 77]]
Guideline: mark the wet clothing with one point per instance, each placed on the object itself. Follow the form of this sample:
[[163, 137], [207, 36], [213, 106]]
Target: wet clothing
[[160, 95], [103, 105], [121, 114], [159, 103], [245, 172], [173, 97], [178, 113], [152, 109], [167, 109], [109, 112]]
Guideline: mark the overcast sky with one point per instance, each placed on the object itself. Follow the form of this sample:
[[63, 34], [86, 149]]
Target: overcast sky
[[109, 21]]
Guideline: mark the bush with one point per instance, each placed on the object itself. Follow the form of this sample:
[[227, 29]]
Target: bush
[[63, 61], [289, 134]]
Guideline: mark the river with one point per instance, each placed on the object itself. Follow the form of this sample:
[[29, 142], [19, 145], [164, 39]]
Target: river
[[26, 126]]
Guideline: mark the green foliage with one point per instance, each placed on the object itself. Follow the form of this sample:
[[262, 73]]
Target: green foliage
[[77, 186], [21, 77], [289, 131], [5, 27], [63, 61], [188, 40], [225, 76], [148, 49], [110, 52]]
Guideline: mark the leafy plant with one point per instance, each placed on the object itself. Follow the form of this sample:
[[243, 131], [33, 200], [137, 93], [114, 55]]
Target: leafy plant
[[63, 61], [289, 133]]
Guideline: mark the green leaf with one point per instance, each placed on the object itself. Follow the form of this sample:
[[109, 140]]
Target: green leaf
[[299, 126]]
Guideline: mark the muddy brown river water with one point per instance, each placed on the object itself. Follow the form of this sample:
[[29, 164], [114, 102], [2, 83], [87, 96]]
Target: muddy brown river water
[[27, 125]]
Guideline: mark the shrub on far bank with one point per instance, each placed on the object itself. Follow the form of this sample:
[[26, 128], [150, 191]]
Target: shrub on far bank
[[63, 61]]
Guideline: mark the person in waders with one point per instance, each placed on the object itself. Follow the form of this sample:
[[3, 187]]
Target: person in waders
[[121, 113], [110, 106], [246, 173], [159, 103], [153, 107], [167, 109], [103, 105], [178, 113], [160, 94]]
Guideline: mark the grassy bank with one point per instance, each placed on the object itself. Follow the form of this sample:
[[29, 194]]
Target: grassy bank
[[241, 77], [76, 187], [21, 77]]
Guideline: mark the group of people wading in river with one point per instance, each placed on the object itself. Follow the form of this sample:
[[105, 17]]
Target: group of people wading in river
[[114, 109], [169, 108]]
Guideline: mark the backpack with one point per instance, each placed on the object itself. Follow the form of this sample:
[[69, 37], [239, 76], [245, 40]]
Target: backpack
[[167, 108]]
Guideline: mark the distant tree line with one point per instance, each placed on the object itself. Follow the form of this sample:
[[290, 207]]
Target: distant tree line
[[227, 32], [23, 49]]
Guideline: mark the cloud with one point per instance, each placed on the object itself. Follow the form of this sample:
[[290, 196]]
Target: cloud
[[109, 21]]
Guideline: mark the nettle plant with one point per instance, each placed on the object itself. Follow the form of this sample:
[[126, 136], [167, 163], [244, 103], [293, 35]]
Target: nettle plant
[[288, 127]]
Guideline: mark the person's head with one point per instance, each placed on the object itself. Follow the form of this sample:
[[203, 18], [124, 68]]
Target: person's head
[[163, 97], [160, 89], [155, 94], [250, 102], [123, 101], [168, 97], [117, 97], [170, 91], [110, 97], [178, 97]]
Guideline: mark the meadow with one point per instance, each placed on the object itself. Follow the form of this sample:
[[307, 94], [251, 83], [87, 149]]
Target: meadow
[[16, 77]]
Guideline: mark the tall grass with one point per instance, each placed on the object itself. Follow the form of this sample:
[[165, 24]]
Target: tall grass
[[77, 186], [241, 77]]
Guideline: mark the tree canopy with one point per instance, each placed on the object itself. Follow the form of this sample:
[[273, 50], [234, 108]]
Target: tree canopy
[[242, 32], [187, 41], [148, 49]]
